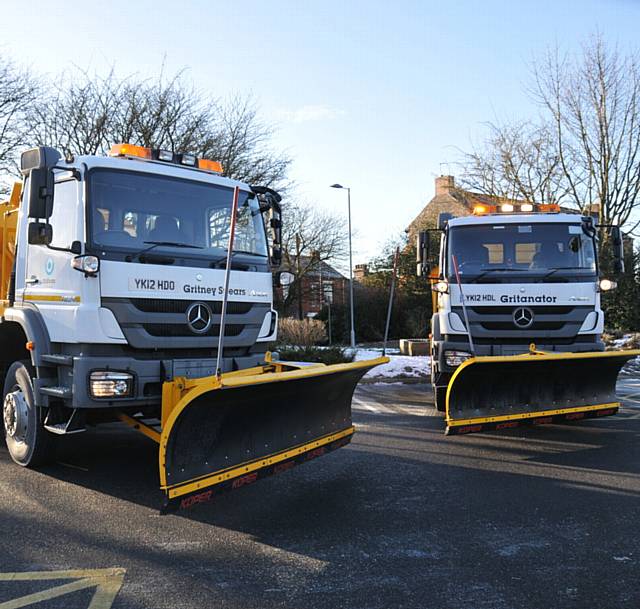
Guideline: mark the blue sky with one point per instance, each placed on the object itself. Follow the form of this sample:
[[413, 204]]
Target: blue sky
[[374, 95]]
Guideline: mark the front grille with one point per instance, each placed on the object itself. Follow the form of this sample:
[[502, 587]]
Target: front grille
[[496, 323], [148, 305], [161, 324], [174, 330], [509, 325]]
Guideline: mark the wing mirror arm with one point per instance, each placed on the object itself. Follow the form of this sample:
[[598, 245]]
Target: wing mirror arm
[[269, 205]]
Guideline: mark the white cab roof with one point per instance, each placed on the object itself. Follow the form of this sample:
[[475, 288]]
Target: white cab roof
[[499, 219], [155, 167]]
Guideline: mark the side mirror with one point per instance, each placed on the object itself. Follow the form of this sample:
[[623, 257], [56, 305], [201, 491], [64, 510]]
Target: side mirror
[[269, 201], [422, 254], [617, 243], [40, 233], [40, 193], [275, 224], [42, 157], [443, 219], [285, 278]]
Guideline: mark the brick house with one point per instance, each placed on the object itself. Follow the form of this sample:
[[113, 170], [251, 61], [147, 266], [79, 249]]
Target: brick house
[[454, 200], [320, 284]]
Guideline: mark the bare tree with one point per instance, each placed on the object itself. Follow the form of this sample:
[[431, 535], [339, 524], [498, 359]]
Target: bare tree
[[593, 103], [516, 161], [75, 115], [585, 147], [241, 141], [85, 114], [310, 238], [18, 90]]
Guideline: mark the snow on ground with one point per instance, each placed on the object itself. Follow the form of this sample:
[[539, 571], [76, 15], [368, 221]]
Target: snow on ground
[[628, 341], [400, 366]]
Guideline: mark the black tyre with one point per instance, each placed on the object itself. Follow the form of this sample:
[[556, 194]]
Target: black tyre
[[440, 398], [29, 443]]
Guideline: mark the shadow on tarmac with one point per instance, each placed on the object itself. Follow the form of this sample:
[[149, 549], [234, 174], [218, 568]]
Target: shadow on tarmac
[[120, 462], [478, 506]]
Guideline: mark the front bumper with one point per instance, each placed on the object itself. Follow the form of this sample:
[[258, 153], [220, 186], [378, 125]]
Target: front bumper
[[148, 377], [441, 373]]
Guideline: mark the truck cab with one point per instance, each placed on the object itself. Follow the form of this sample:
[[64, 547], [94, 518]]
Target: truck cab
[[506, 281], [117, 278]]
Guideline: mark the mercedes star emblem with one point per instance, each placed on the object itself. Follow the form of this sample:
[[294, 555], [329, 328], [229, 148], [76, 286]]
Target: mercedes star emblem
[[199, 317], [523, 317]]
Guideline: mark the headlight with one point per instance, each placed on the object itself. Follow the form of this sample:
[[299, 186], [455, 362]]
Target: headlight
[[455, 358], [107, 384], [607, 284], [441, 287]]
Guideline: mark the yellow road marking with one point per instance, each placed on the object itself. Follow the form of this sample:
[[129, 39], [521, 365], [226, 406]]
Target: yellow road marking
[[107, 583]]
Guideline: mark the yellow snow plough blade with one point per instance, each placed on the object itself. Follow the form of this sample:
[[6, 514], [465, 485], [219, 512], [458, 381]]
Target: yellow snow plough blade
[[500, 392], [223, 433]]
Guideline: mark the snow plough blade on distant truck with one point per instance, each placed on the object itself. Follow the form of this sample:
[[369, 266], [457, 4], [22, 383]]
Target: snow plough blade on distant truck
[[501, 392], [223, 433]]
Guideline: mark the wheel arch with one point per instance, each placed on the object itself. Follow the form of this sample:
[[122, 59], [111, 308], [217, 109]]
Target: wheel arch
[[19, 327]]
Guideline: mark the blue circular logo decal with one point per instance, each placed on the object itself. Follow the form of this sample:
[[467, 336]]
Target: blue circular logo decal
[[48, 267]]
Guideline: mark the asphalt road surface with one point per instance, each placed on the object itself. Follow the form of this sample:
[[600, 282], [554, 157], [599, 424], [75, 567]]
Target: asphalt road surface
[[404, 517]]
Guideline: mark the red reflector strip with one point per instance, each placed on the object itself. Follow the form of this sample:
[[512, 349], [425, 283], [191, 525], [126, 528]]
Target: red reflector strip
[[573, 416], [318, 452], [243, 480], [204, 496], [507, 425], [604, 413], [190, 501], [542, 420]]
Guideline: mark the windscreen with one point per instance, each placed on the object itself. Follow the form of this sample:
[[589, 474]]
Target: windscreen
[[129, 210], [497, 252]]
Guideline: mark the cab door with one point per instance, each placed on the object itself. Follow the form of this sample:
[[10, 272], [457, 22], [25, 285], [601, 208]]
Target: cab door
[[50, 282]]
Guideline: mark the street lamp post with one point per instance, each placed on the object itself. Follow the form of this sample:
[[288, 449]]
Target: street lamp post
[[353, 331]]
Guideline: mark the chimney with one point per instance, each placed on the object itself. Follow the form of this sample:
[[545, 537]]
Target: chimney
[[444, 185], [360, 272]]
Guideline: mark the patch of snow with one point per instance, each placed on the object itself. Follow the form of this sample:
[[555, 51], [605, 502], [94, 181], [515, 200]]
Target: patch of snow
[[400, 366], [621, 342]]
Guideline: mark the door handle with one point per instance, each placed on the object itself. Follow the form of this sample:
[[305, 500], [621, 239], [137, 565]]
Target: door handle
[[32, 280]]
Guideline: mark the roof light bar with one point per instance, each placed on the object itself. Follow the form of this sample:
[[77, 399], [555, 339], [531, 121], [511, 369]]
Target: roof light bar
[[167, 156], [509, 208], [130, 150], [549, 208], [213, 166], [478, 210], [188, 159]]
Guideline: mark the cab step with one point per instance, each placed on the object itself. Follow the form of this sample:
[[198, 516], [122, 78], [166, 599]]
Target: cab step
[[56, 423], [57, 392], [58, 360]]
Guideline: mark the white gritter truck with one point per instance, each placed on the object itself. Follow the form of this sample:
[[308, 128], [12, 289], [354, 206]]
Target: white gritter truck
[[112, 283], [517, 319]]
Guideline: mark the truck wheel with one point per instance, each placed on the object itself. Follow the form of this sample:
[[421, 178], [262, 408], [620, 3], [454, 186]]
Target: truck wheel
[[29, 443], [440, 398]]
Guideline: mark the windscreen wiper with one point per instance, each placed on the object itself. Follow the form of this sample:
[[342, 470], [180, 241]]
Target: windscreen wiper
[[487, 272], [217, 261], [154, 244], [555, 269]]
